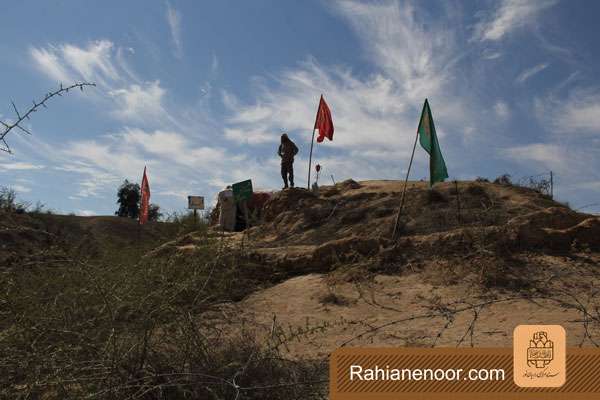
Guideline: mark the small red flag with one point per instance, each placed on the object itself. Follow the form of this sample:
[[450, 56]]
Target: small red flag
[[145, 203], [324, 123]]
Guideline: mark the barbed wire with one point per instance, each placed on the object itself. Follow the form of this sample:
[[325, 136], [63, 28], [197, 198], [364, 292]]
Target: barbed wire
[[8, 126], [542, 182]]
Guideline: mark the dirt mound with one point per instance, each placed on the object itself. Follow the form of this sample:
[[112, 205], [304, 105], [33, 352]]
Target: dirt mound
[[351, 223], [472, 261], [290, 200], [348, 217], [30, 238]]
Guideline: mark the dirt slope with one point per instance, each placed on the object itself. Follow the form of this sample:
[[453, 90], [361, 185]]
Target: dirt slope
[[35, 238], [472, 262]]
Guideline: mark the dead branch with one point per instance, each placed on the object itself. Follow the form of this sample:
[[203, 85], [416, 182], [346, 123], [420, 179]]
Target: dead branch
[[20, 117]]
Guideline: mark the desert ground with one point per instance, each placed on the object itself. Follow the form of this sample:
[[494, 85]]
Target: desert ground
[[471, 261]]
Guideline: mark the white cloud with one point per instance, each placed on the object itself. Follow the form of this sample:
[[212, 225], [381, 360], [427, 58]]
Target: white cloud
[[529, 72], [251, 136], [174, 21], [20, 188], [491, 55], [86, 213], [510, 16], [501, 109], [120, 89], [93, 62], [569, 161], [549, 156], [19, 166], [373, 113], [49, 63], [139, 103], [577, 114], [176, 163], [69, 63], [416, 56], [174, 147]]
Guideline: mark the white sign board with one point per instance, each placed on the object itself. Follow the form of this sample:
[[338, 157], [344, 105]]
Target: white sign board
[[195, 202]]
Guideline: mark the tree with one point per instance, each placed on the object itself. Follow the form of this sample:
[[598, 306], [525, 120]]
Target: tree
[[128, 199], [154, 213]]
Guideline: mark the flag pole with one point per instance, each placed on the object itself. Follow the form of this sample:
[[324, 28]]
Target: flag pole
[[310, 157], [312, 142], [404, 190]]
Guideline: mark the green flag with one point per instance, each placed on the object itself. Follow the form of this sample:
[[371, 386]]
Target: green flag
[[429, 141]]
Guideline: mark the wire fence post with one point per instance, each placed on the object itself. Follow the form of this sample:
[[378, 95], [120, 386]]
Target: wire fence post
[[551, 185], [457, 203]]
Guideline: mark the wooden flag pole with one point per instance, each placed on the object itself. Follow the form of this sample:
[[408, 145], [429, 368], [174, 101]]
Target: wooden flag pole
[[310, 157], [404, 190]]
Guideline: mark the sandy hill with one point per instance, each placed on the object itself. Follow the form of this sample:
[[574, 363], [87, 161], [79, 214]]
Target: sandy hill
[[92, 307], [473, 260]]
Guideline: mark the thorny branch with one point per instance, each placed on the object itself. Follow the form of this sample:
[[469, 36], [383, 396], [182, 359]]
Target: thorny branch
[[450, 310], [8, 126]]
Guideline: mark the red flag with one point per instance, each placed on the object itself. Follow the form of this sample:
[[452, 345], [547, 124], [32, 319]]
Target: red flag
[[145, 203], [324, 123]]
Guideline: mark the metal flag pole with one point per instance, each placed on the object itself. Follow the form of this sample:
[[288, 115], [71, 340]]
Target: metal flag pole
[[404, 190], [313, 142]]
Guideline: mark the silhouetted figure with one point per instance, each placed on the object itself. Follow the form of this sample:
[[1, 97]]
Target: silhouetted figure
[[287, 151]]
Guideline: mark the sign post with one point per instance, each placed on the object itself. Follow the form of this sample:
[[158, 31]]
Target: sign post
[[195, 203]]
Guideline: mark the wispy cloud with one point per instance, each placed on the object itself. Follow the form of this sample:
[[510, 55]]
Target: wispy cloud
[[214, 65], [68, 63], [176, 163], [20, 188], [165, 140], [411, 55], [549, 156], [373, 113], [501, 109], [529, 72], [509, 16], [491, 55], [85, 213], [577, 114], [139, 103], [19, 166], [101, 62], [174, 21]]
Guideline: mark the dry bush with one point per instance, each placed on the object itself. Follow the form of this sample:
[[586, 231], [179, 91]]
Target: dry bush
[[186, 222], [332, 298], [435, 196], [504, 179], [498, 273], [79, 328]]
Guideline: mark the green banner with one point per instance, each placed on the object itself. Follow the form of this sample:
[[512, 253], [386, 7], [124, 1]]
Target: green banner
[[429, 142], [242, 190]]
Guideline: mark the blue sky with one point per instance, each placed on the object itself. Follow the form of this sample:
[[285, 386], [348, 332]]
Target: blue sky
[[201, 91]]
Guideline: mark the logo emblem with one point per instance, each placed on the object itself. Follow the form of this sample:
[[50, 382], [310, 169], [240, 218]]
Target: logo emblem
[[539, 356], [541, 350]]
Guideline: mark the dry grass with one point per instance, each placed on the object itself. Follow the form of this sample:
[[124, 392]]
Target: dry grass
[[125, 327]]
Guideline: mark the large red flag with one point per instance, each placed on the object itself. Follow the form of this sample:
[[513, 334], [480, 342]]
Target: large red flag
[[324, 123], [145, 203]]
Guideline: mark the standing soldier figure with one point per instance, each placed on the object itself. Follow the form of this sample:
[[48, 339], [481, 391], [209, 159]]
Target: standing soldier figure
[[287, 151]]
